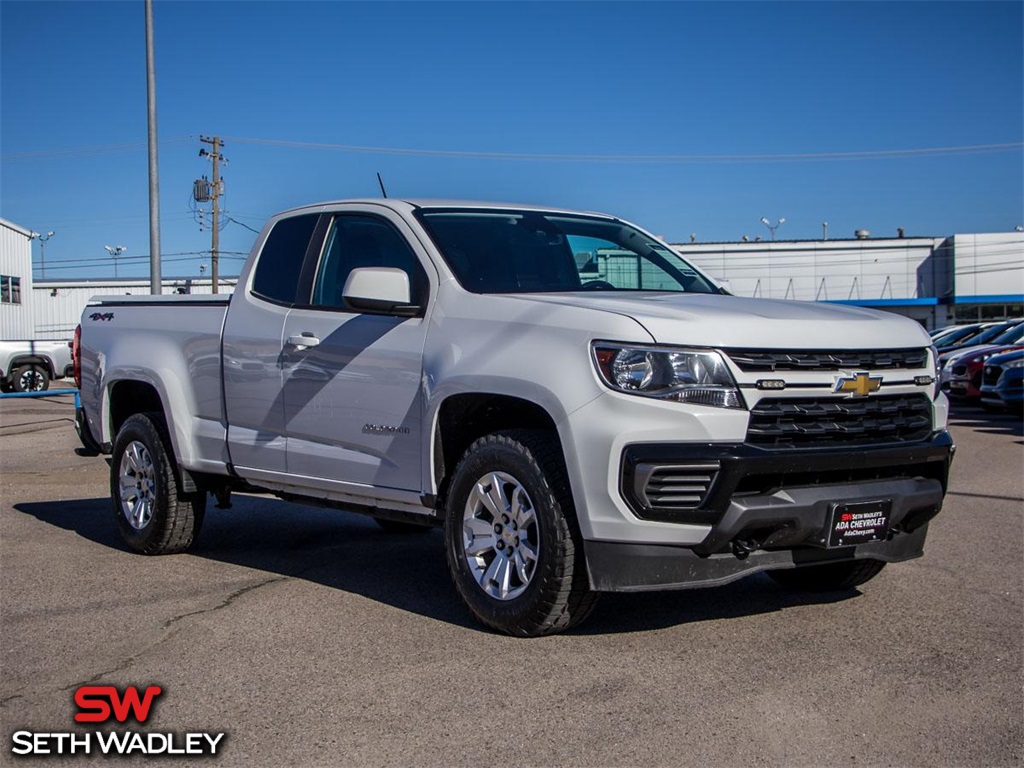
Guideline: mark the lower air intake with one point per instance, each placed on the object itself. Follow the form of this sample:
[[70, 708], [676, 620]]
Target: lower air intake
[[674, 486]]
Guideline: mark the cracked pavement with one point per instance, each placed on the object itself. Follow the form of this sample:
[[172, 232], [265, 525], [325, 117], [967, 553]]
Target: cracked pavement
[[313, 638]]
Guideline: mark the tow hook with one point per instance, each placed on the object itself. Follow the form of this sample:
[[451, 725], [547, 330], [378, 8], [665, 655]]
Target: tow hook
[[742, 548]]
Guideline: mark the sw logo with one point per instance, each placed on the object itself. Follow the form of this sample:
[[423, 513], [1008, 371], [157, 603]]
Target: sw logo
[[96, 703], [859, 384], [102, 704]]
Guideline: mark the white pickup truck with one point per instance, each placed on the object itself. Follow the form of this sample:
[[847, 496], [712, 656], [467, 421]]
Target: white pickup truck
[[581, 409], [29, 366]]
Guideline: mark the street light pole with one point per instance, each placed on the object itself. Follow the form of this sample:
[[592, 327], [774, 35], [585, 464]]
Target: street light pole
[[114, 251], [42, 250], [772, 227]]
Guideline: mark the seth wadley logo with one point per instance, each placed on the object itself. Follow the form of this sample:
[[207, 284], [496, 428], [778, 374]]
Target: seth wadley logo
[[102, 703]]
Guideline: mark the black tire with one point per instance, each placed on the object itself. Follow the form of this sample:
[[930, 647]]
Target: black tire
[[828, 577], [173, 519], [399, 527], [557, 595], [30, 378]]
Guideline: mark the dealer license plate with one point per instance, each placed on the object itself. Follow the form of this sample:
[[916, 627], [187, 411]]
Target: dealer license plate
[[859, 522]]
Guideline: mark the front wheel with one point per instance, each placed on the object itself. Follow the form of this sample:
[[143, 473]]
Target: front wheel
[[151, 515], [513, 546], [828, 577], [30, 378]]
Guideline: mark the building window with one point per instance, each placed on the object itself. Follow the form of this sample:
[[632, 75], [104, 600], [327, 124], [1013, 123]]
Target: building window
[[985, 313], [10, 290]]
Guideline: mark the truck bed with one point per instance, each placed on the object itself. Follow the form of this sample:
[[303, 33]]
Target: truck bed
[[130, 329]]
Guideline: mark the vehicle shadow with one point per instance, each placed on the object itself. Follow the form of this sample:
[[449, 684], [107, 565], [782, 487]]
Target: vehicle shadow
[[994, 422], [347, 551]]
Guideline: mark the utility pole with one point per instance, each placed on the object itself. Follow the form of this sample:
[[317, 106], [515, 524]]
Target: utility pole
[[215, 192], [155, 280]]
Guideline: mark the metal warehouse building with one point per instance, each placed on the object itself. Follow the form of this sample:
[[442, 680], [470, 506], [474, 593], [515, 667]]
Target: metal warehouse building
[[57, 304], [15, 282], [935, 280]]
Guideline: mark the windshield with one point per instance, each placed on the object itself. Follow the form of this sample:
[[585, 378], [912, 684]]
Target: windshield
[[509, 251], [987, 335], [1011, 335], [957, 336]]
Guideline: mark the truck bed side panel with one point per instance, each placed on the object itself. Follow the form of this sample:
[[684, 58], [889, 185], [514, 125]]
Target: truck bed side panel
[[175, 347]]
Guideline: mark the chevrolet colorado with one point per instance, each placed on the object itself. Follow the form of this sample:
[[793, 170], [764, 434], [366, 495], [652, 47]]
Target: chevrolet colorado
[[579, 408]]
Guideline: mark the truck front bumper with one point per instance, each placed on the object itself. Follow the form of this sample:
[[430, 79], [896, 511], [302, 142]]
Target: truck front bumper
[[617, 567], [766, 509]]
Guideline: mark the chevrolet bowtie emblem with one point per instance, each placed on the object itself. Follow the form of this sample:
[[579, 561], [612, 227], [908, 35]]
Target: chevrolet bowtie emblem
[[859, 384]]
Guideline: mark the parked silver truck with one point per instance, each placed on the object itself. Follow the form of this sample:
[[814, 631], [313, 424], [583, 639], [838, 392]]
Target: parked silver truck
[[579, 408], [30, 366]]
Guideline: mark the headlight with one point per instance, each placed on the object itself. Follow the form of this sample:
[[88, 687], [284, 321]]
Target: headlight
[[1018, 363], [686, 376]]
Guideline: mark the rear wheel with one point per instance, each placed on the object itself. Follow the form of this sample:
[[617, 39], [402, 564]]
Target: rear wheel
[[514, 549], [828, 577], [30, 378], [151, 515]]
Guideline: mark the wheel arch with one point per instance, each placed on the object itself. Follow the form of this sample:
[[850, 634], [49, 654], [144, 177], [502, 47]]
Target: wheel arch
[[462, 418], [22, 360], [126, 397]]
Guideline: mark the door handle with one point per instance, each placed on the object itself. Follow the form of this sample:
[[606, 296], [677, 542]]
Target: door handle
[[303, 340]]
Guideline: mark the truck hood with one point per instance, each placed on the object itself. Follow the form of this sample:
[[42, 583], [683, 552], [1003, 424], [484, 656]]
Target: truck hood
[[711, 320]]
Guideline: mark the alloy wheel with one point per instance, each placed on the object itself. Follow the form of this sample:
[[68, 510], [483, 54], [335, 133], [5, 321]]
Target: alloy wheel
[[500, 535]]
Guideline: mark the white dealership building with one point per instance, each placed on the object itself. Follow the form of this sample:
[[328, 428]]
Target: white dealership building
[[934, 280]]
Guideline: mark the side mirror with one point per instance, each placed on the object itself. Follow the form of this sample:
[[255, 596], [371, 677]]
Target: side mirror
[[725, 285], [379, 289]]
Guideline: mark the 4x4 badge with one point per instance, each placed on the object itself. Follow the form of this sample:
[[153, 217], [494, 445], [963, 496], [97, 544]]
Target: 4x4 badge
[[859, 384]]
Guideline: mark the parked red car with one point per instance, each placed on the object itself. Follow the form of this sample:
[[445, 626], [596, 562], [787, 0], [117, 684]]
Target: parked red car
[[965, 371]]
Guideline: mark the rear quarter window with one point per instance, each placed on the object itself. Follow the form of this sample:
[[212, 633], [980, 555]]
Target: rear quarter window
[[280, 261]]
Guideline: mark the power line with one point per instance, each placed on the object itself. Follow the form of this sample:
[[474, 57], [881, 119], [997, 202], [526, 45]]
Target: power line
[[235, 221], [609, 158], [86, 263], [97, 149]]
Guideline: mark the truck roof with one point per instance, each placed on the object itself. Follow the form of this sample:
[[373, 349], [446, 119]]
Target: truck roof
[[410, 204]]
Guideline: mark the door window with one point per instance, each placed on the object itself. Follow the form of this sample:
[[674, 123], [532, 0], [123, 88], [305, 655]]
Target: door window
[[280, 261], [363, 241]]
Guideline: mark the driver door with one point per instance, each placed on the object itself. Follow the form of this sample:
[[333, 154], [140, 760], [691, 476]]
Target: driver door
[[353, 402]]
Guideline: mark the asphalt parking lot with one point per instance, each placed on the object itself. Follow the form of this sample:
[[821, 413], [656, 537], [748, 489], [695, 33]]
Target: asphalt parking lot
[[313, 638]]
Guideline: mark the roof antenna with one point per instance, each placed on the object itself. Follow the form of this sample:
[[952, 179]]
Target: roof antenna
[[381, 182]]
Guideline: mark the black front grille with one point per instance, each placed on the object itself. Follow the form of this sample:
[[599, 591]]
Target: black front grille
[[822, 421], [992, 374], [757, 360]]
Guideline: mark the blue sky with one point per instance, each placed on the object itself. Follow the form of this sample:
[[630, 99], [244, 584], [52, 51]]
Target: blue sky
[[615, 80]]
